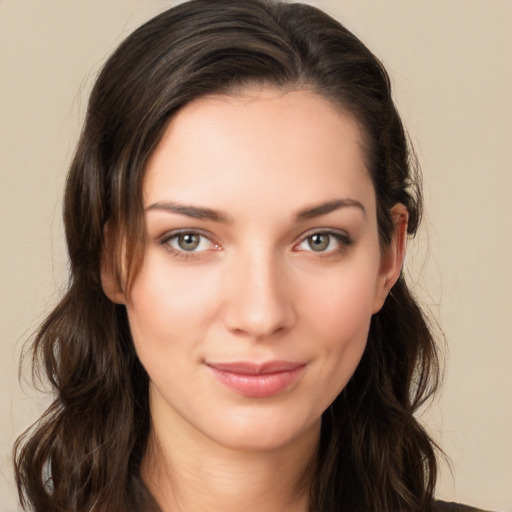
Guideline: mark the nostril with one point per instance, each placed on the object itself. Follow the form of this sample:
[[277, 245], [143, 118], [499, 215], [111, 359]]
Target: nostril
[[260, 327]]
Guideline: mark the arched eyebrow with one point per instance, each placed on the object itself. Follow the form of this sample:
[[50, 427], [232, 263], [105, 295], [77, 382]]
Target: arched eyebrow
[[195, 212], [328, 207], [201, 213]]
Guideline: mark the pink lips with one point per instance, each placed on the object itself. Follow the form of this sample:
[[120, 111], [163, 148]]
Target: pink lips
[[257, 380]]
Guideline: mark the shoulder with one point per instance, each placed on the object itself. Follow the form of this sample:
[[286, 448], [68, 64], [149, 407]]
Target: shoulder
[[443, 506]]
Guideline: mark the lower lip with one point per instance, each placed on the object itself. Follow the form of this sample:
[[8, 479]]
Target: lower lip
[[259, 386]]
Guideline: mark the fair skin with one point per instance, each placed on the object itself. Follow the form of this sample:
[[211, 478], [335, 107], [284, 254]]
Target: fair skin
[[251, 309]]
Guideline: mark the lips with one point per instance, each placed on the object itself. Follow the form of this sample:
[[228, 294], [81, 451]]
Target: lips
[[257, 380]]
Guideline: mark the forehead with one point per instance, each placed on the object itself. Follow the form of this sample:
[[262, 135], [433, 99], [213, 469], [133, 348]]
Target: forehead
[[261, 144]]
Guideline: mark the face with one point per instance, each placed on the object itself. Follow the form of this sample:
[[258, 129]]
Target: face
[[262, 267]]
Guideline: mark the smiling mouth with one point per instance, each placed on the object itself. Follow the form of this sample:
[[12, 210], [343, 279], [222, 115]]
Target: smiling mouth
[[257, 380]]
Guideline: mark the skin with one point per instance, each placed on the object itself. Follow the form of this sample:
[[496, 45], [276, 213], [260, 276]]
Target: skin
[[253, 289]]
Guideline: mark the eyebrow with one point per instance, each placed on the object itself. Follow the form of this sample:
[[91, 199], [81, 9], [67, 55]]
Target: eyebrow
[[330, 206], [196, 212], [190, 211]]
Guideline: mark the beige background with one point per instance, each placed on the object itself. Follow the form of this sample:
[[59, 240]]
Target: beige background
[[452, 71]]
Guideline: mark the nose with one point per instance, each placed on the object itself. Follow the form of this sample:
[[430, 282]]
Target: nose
[[260, 301]]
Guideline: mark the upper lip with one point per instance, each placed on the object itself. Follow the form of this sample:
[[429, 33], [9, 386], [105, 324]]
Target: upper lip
[[250, 368]]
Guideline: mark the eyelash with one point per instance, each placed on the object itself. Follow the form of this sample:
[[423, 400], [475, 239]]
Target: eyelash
[[343, 240], [184, 255]]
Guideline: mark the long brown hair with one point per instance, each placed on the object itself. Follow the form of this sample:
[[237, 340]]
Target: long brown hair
[[84, 454]]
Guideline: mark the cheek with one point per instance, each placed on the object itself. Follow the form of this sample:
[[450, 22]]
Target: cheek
[[342, 330], [338, 313], [170, 308], [341, 303]]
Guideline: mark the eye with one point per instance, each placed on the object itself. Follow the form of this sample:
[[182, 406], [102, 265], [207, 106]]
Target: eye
[[188, 242], [324, 242], [319, 242]]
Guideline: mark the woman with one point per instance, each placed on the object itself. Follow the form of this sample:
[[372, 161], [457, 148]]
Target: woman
[[237, 331]]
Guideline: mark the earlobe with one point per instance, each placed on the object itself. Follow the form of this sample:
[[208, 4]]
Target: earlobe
[[111, 287], [110, 281], [393, 255]]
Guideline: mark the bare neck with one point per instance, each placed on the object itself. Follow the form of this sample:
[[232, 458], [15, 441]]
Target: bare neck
[[201, 476]]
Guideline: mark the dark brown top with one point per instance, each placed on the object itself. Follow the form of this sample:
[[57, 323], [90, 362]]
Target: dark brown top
[[443, 506]]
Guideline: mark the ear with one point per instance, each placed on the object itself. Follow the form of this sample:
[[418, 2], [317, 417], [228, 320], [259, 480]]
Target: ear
[[393, 256], [110, 281]]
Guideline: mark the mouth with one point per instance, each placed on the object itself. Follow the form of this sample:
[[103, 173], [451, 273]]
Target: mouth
[[257, 380]]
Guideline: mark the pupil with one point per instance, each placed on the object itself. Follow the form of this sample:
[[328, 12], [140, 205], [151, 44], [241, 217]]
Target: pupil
[[319, 242], [189, 241]]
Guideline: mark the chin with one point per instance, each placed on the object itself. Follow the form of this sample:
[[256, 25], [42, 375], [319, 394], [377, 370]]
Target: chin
[[257, 431]]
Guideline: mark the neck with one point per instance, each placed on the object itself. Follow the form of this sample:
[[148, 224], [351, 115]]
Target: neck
[[199, 475]]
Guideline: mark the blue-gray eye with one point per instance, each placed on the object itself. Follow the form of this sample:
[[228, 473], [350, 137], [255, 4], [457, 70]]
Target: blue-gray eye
[[319, 242], [324, 242], [188, 241]]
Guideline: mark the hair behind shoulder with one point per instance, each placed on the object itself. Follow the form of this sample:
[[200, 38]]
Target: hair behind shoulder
[[84, 454]]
